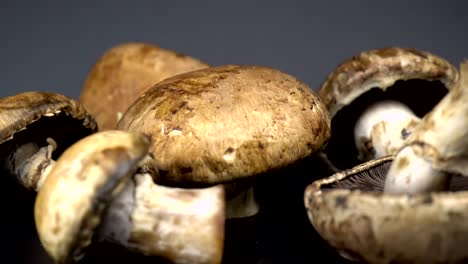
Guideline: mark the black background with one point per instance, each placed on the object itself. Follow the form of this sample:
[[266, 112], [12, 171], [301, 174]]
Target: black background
[[51, 45]]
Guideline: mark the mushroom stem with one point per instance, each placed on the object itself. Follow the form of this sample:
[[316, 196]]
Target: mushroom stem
[[181, 225], [31, 164], [439, 143], [243, 204], [382, 129]]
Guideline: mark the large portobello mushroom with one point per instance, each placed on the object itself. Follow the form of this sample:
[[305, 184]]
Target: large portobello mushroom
[[410, 207]]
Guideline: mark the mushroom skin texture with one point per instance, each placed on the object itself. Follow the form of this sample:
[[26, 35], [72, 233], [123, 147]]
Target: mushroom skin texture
[[99, 189], [388, 75], [228, 124], [383, 128], [34, 125], [352, 213], [437, 148], [123, 73]]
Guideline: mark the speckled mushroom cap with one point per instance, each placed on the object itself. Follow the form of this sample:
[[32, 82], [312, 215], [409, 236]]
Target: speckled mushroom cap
[[381, 68], [34, 116], [350, 211], [81, 185], [126, 71], [416, 78], [228, 122]]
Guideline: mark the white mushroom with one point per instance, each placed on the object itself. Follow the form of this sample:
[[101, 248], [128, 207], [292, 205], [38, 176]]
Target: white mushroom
[[382, 129], [438, 147]]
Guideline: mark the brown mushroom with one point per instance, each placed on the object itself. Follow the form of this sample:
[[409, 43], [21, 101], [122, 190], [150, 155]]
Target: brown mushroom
[[410, 207], [229, 124], [99, 190], [126, 71], [376, 98], [35, 127]]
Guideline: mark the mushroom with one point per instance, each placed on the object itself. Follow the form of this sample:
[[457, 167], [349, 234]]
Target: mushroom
[[351, 212], [123, 73], [228, 125], [101, 189], [409, 207], [438, 147], [376, 99], [35, 127]]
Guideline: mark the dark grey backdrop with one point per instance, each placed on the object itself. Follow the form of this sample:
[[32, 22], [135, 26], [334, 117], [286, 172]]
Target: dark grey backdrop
[[51, 45]]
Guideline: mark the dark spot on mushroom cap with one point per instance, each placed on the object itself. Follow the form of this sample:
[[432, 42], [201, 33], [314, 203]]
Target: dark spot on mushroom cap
[[402, 163], [405, 133], [230, 150], [340, 202], [386, 53], [427, 200], [177, 108]]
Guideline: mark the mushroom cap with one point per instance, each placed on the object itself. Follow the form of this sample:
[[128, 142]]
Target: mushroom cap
[[415, 78], [35, 116], [84, 181], [228, 122], [381, 68], [350, 211], [126, 71]]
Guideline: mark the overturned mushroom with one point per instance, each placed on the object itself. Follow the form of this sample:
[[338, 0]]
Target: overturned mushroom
[[35, 127], [351, 212], [126, 71], [229, 124], [410, 207], [99, 190], [376, 99]]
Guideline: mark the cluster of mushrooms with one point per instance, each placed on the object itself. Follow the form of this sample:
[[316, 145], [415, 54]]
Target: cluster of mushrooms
[[163, 154]]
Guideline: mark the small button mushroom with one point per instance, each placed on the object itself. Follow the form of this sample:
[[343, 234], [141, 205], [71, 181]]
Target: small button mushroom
[[376, 98], [229, 124], [99, 190], [409, 207], [35, 127], [123, 73]]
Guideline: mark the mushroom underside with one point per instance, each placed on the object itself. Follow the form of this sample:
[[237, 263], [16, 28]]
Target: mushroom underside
[[62, 128], [419, 95], [373, 180], [350, 211]]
